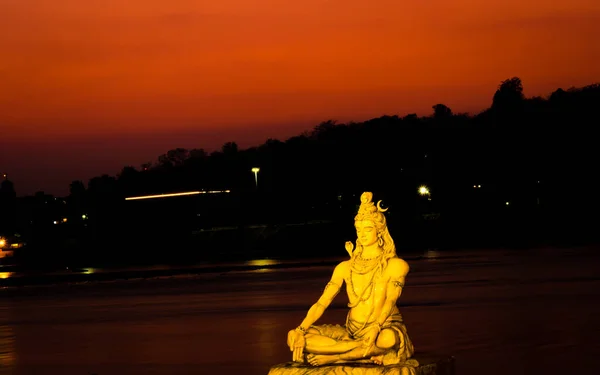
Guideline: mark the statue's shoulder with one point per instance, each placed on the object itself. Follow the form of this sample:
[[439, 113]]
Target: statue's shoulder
[[343, 266], [397, 266], [342, 269]]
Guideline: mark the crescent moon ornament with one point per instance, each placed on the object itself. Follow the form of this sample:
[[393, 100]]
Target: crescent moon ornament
[[381, 209]]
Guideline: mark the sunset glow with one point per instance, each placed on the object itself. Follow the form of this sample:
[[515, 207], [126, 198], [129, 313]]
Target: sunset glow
[[90, 86]]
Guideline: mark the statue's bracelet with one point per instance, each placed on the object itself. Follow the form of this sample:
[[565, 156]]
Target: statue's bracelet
[[301, 329]]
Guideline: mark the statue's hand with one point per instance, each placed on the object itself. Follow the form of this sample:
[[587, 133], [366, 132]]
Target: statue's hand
[[296, 342], [369, 339]]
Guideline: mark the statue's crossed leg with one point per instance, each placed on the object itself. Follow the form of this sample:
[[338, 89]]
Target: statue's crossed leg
[[322, 349]]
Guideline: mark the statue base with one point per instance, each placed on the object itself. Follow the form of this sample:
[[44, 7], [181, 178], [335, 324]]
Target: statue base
[[427, 366]]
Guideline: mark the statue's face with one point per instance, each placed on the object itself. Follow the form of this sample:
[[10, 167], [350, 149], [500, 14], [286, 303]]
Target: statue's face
[[366, 232]]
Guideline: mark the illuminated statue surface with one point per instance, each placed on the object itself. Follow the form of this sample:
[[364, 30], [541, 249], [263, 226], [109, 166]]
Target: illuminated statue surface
[[374, 331]]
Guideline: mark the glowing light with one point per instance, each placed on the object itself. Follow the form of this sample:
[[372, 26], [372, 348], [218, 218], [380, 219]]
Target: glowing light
[[2, 242], [256, 170], [55, 222], [507, 203], [64, 220], [176, 194], [5, 275], [84, 216], [424, 190], [163, 195]]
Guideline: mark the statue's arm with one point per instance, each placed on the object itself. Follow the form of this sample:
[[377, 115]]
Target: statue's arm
[[398, 271], [331, 290]]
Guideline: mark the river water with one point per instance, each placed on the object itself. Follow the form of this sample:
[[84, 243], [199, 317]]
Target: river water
[[496, 311]]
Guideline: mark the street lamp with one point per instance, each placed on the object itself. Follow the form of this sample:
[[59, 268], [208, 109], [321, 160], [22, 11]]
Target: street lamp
[[256, 170], [424, 192]]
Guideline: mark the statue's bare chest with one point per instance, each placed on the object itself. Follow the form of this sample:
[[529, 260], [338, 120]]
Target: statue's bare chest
[[365, 286]]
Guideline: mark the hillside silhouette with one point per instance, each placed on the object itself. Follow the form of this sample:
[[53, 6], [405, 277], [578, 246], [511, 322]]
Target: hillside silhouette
[[520, 172]]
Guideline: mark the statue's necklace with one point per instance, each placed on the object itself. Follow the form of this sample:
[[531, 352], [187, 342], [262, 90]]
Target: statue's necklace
[[363, 266]]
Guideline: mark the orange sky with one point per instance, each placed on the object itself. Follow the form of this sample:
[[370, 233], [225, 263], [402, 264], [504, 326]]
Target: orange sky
[[87, 87]]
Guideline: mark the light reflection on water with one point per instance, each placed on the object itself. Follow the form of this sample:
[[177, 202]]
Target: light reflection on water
[[261, 262], [432, 254], [7, 348]]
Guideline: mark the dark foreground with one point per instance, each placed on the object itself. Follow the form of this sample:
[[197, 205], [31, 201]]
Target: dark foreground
[[498, 312]]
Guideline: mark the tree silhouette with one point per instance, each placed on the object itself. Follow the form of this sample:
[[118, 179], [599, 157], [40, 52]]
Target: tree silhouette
[[509, 95], [173, 158], [77, 195], [229, 148], [440, 111]]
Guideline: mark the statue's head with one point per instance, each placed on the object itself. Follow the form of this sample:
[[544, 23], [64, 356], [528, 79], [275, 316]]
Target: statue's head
[[371, 225]]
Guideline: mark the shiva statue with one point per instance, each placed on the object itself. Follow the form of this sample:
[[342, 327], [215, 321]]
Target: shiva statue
[[374, 331]]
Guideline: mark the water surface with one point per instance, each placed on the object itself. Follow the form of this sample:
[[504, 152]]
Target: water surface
[[497, 311]]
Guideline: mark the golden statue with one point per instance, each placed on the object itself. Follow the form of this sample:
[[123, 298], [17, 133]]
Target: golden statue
[[374, 331]]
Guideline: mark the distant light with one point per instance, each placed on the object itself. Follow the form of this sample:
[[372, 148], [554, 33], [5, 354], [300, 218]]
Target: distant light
[[478, 186], [424, 190], [55, 222], [64, 219], [84, 216], [177, 194], [507, 203], [255, 169]]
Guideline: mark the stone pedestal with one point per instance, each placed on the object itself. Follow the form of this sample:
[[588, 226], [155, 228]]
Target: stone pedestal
[[427, 366]]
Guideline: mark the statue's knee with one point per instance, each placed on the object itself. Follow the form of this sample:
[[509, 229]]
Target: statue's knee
[[386, 339]]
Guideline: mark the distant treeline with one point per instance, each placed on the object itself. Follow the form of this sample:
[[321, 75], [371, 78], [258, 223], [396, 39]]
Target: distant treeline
[[519, 150], [534, 156]]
